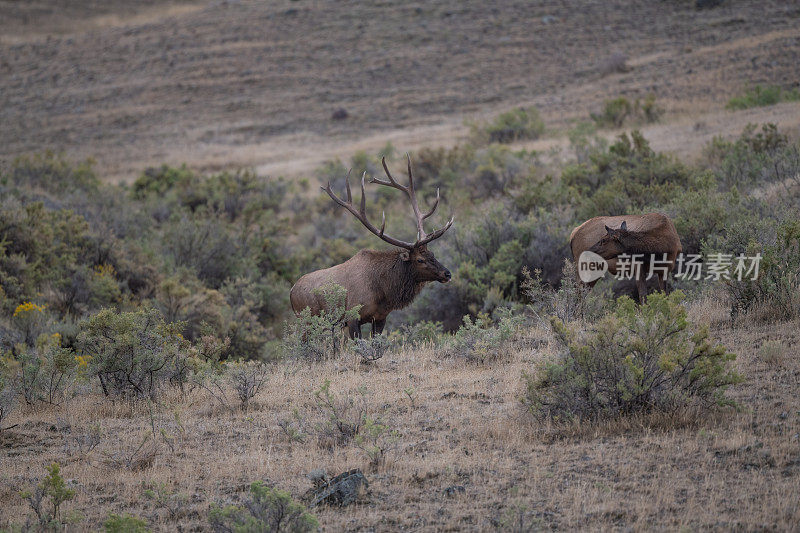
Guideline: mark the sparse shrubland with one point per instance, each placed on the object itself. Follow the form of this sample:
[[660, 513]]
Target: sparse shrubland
[[166, 304]]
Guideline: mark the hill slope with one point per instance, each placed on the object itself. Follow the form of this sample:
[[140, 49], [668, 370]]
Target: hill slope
[[244, 83]]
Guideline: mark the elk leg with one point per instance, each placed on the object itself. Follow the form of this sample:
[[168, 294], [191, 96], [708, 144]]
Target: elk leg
[[641, 288], [377, 326], [662, 282], [354, 327]]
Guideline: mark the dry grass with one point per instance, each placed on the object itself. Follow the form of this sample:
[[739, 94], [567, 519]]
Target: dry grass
[[226, 84], [465, 427]]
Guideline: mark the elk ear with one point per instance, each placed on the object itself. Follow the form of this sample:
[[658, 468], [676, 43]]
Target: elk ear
[[624, 226], [609, 230], [404, 255]]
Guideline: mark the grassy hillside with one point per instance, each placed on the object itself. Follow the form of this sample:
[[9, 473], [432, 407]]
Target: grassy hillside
[[247, 83], [153, 375]]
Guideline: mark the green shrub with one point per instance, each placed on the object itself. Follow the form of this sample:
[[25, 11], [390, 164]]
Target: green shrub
[[133, 354], [482, 341], [614, 114], [417, 334], [125, 523], [317, 337], [54, 488], [376, 439], [515, 125], [565, 303], [634, 360], [619, 111], [759, 96], [627, 178], [51, 172], [775, 294], [267, 509], [47, 371], [755, 158]]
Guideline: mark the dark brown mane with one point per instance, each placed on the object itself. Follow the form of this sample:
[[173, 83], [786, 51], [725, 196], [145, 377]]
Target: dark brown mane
[[393, 279]]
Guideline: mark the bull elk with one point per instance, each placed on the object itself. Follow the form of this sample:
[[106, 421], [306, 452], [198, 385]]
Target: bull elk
[[378, 281], [652, 237]]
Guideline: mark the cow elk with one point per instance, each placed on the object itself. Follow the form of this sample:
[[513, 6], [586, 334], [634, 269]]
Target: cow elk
[[651, 239], [379, 281]]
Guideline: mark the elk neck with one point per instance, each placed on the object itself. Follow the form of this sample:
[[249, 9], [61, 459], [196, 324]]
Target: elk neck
[[641, 242], [394, 280]]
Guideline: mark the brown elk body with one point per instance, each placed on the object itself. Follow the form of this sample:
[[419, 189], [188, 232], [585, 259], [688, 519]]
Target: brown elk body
[[379, 281], [652, 237]]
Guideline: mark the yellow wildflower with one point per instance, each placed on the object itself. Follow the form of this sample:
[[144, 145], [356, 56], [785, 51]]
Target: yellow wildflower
[[26, 308], [83, 362], [104, 271]]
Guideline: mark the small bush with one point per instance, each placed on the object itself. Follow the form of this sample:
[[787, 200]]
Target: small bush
[[124, 524], [620, 111], [244, 378], [418, 333], [482, 341], [343, 417], [515, 125], [247, 378], [760, 96], [47, 371], [376, 439], [775, 294], [634, 360], [54, 488], [566, 302], [317, 337], [267, 509], [372, 349], [53, 173], [133, 354]]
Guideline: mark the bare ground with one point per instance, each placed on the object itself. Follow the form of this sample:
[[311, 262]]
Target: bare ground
[[235, 83]]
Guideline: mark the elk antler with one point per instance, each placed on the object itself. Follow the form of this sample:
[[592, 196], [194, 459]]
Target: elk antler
[[361, 212], [422, 237]]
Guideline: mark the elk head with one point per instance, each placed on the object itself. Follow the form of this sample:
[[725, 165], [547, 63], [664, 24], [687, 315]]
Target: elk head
[[611, 245], [421, 261]]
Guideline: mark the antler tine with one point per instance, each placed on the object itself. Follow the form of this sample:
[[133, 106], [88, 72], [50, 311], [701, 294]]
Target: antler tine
[[391, 182], [363, 210], [383, 223], [361, 214], [347, 183], [438, 233], [433, 209], [410, 175]]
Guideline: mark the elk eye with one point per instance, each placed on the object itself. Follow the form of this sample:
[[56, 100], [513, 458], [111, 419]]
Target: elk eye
[[420, 260]]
